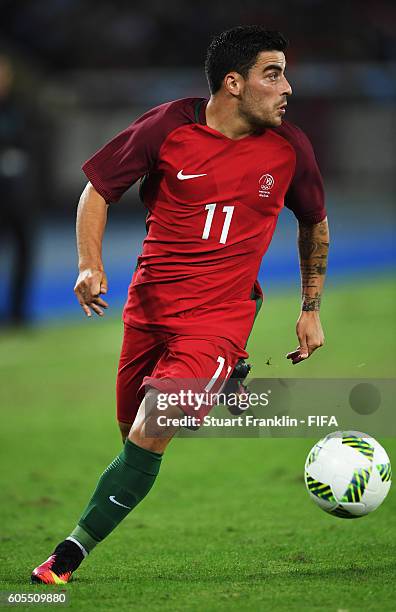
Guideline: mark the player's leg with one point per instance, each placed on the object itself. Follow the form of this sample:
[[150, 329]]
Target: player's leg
[[129, 478], [203, 365], [140, 352], [147, 431], [123, 484]]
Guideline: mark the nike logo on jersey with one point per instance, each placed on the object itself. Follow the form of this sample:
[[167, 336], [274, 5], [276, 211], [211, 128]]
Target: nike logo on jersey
[[113, 499], [185, 177]]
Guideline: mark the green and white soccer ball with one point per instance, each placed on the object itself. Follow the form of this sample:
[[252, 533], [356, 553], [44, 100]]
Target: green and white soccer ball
[[348, 474]]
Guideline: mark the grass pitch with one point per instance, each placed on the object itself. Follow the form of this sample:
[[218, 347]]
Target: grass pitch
[[228, 525]]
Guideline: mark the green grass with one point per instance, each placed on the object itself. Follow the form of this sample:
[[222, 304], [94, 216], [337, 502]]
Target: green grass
[[359, 326], [228, 525]]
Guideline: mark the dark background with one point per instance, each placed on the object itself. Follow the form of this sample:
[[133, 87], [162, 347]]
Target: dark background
[[72, 74]]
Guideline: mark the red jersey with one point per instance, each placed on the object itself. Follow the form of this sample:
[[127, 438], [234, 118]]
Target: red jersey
[[213, 204]]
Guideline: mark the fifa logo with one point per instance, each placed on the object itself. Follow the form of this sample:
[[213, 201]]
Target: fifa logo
[[266, 182]]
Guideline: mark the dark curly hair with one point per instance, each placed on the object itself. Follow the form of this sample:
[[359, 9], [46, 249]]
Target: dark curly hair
[[237, 49]]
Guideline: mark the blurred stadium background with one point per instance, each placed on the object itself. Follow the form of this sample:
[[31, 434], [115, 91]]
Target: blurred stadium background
[[72, 74]]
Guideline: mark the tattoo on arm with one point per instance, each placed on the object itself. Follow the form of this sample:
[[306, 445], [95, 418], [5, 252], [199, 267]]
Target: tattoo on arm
[[313, 246], [310, 303]]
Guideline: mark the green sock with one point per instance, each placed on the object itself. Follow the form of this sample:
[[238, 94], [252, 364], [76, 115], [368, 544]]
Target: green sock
[[123, 484]]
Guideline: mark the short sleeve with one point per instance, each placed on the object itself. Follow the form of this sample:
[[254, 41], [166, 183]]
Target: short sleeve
[[305, 196], [132, 153]]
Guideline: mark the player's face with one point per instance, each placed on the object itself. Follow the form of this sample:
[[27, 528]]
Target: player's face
[[263, 94]]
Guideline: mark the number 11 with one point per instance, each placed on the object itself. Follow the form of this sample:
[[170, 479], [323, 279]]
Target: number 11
[[229, 210]]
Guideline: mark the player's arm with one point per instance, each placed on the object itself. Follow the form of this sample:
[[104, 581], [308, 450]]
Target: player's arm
[[90, 226], [305, 197], [313, 246], [111, 171]]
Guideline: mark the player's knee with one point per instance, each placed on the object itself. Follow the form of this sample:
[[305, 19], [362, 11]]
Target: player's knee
[[149, 438], [157, 445], [148, 430]]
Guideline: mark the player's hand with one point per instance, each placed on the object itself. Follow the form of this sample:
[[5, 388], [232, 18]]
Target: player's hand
[[310, 336], [89, 285]]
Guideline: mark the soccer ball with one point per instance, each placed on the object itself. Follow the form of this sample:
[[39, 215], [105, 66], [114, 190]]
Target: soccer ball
[[348, 474]]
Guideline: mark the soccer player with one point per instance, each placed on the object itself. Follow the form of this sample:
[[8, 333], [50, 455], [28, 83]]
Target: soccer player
[[216, 174]]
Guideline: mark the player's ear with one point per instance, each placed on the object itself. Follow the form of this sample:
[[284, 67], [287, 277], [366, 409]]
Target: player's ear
[[233, 82]]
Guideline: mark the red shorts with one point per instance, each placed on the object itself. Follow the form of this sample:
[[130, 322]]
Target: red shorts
[[169, 362]]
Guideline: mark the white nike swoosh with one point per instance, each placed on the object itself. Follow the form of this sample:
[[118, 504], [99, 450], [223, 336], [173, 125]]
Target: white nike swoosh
[[184, 177], [113, 499]]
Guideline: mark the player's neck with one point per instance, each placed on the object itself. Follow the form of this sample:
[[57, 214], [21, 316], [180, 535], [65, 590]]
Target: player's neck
[[223, 118]]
